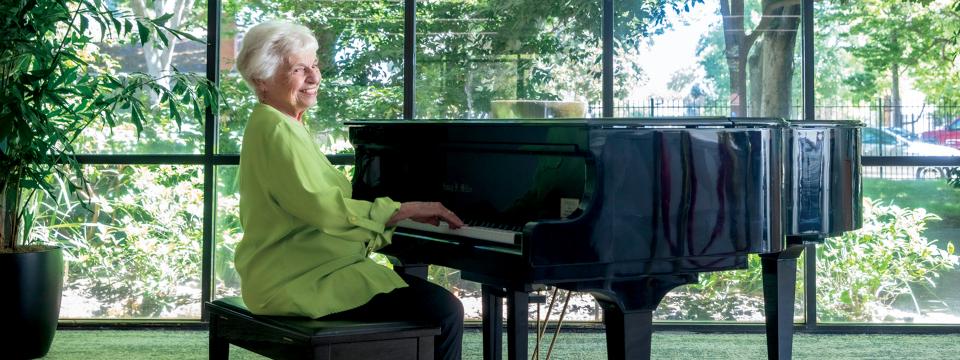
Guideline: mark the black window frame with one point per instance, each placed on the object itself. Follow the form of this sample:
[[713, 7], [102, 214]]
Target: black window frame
[[210, 159]]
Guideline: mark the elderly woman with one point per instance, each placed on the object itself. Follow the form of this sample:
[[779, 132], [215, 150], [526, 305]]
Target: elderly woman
[[306, 242]]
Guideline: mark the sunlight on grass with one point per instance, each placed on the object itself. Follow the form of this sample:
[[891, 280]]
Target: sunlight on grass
[[936, 196]]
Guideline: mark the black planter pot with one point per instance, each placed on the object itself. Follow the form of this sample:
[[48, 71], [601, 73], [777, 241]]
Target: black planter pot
[[31, 285]]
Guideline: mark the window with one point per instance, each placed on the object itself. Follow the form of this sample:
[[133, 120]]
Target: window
[[137, 255], [493, 59], [133, 245]]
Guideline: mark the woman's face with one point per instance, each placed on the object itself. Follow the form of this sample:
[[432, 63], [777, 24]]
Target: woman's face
[[293, 87]]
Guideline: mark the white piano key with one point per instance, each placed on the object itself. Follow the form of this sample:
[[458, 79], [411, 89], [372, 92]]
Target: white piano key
[[473, 232]]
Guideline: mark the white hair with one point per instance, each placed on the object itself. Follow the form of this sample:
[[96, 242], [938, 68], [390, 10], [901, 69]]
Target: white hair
[[266, 45]]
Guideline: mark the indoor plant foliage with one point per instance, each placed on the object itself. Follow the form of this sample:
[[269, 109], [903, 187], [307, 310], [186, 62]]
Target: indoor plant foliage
[[52, 91], [53, 85]]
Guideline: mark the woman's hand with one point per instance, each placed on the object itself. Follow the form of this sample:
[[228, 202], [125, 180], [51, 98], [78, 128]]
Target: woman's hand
[[425, 212]]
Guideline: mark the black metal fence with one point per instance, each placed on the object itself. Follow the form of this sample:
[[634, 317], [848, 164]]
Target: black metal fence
[[913, 119], [893, 147]]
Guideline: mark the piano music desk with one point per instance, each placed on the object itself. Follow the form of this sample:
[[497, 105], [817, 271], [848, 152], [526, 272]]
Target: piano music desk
[[283, 337]]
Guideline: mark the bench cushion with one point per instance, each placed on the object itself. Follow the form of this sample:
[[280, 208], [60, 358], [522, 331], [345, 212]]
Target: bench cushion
[[317, 329]]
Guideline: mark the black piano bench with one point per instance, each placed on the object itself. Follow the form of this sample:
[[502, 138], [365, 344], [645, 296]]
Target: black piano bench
[[283, 337]]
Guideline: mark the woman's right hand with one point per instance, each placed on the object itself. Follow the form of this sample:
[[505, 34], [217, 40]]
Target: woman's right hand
[[425, 212]]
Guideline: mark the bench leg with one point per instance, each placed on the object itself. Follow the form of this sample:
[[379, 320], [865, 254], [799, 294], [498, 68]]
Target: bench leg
[[219, 348]]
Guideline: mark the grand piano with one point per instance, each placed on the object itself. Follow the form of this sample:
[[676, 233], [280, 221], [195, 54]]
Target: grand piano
[[624, 209]]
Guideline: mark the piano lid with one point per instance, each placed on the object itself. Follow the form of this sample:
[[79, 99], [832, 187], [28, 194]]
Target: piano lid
[[639, 122]]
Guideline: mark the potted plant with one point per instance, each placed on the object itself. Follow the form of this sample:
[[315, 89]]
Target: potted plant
[[51, 89]]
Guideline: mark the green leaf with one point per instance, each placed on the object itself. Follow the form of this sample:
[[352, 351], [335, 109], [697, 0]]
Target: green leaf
[[144, 33], [136, 113], [73, 57], [163, 19], [175, 113], [117, 25], [178, 87], [197, 113], [163, 38], [183, 34], [58, 100], [84, 23], [109, 118], [28, 218], [29, 184]]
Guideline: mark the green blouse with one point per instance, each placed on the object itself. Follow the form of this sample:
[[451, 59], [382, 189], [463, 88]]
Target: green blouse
[[306, 243]]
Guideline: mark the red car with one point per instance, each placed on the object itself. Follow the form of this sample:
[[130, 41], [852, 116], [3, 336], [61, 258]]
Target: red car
[[949, 135]]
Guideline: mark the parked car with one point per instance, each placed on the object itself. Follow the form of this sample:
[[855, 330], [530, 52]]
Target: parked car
[[882, 142], [907, 134], [948, 135]]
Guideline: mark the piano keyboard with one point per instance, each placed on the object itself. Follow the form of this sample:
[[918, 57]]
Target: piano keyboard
[[500, 236]]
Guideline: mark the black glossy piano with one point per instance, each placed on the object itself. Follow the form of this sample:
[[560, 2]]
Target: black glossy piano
[[624, 209]]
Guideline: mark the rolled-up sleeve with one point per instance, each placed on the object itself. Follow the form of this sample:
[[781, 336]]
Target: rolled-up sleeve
[[304, 186]]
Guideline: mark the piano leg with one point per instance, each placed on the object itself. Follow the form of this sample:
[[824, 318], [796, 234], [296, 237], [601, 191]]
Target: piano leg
[[628, 312], [779, 292], [517, 324], [492, 317], [629, 334]]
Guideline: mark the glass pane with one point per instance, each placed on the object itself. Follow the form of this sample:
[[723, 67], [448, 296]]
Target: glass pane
[[467, 291], [731, 296], [361, 55], [701, 59], [161, 133], [876, 65], [769, 66], [133, 251], [698, 59], [227, 233], [901, 267], [887, 67], [495, 59]]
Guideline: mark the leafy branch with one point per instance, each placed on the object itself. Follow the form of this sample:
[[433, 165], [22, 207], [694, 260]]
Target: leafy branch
[[51, 93]]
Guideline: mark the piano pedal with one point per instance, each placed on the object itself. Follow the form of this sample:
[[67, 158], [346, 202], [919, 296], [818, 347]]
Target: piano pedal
[[546, 321]]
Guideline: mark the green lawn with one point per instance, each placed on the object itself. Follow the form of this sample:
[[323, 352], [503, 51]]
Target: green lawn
[[186, 345], [936, 196]]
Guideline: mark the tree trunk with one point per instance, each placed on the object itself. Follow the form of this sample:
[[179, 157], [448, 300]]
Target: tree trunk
[[779, 46], [327, 52], [779, 40], [755, 79], [731, 12], [9, 212], [159, 60], [897, 120]]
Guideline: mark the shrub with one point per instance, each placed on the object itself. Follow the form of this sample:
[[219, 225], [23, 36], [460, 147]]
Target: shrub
[[863, 272], [859, 274], [136, 251], [723, 295]]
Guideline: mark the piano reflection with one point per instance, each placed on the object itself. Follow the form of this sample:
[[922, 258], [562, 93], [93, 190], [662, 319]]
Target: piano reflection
[[624, 209]]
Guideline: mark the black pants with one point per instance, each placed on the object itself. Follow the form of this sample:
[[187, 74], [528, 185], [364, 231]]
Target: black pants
[[421, 301]]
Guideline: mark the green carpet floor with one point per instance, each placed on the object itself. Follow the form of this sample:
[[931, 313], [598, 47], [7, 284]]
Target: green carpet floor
[[157, 344]]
